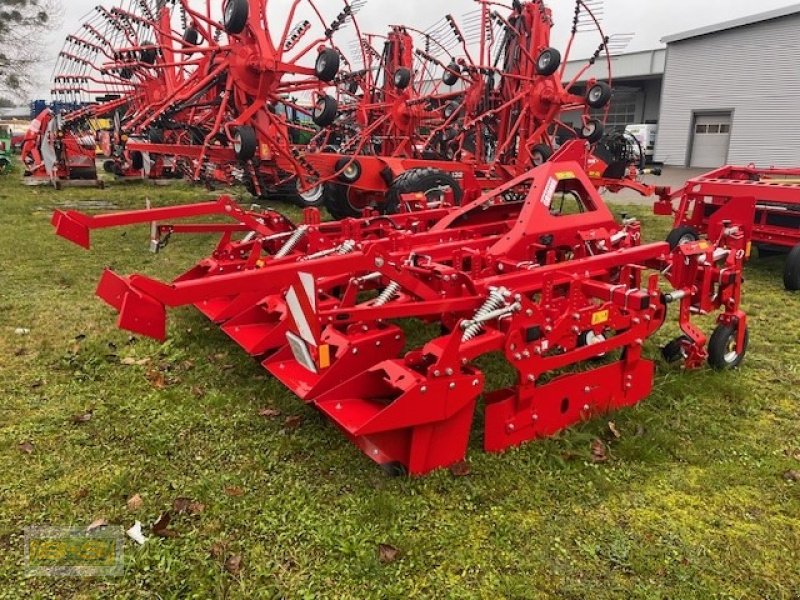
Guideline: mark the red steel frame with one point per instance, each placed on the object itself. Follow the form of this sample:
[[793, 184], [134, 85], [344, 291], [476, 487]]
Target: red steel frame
[[776, 193], [316, 303]]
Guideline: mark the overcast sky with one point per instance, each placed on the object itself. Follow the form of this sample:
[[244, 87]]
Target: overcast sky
[[650, 20]]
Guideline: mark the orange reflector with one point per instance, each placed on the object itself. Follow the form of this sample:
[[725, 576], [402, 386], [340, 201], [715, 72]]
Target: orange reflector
[[324, 356], [601, 317], [749, 249]]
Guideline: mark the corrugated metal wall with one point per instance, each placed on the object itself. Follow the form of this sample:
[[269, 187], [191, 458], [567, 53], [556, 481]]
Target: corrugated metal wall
[[752, 71]]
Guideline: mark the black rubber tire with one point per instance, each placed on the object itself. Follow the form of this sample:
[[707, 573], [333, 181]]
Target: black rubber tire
[[419, 180], [791, 272], [148, 54], [719, 357], [450, 109], [235, 15], [325, 111], [191, 37], [402, 78], [673, 351], [247, 141], [336, 202], [308, 201], [352, 172], [548, 62], [327, 65], [108, 166], [682, 235], [448, 78], [540, 154], [592, 131], [155, 135], [137, 160], [599, 95]]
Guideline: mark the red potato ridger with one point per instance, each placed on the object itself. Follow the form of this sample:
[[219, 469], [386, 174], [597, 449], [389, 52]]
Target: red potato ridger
[[549, 280]]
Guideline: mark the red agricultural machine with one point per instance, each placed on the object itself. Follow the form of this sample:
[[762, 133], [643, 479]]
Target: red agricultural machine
[[460, 108], [52, 155], [775, 227], [547, 279]]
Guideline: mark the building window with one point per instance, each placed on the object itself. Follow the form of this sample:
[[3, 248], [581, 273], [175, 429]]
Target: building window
[[701, 129]]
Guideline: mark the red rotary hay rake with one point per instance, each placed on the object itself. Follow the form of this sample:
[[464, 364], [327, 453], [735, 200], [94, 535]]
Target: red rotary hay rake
[[201, 93], [775, 226], [548, 280], [482, 104]]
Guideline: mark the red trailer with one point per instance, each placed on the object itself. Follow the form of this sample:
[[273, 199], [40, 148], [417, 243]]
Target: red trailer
[[776, 226]]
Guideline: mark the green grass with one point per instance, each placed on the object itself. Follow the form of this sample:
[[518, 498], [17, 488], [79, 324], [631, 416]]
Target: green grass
[[691, 504]]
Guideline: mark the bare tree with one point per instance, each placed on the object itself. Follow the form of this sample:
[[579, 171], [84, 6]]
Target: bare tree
[[23, 24]]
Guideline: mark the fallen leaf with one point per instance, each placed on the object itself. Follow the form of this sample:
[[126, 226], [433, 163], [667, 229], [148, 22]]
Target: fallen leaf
[[387, 553], [599, 451], [20, 352], [161, 526], [233, 564], [196, 508], [80, 337], [234, 491], [96, 524], [135, 502], [217, 550], [37, 383], [81, 494], [83, 418], [269, 413], [198, 392], [792, 475], [293, 422], [181, 504], [134, 362], [187, 365], [26, 447], [157, 379], [460, 469], [612, 427]]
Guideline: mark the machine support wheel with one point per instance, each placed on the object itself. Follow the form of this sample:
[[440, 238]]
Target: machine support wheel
[[235, 14], [325, 111], [327, 65], [548, 62], [426, 181], [450, 78], [540, 154], [791, 272], [599, 95], [592, 131], [676, 349], [722, 350], [683, 234], [245, 142], [402, 78]]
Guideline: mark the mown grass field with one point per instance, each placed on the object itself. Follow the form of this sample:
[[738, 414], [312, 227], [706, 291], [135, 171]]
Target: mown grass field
[[694, 501]]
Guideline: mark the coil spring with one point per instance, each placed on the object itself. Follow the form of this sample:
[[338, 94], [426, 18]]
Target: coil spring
[[346, 248], [292, 242], [388, 294], [496, 300]]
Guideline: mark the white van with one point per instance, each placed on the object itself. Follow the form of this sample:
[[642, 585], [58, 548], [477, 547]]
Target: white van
[[646, 135]]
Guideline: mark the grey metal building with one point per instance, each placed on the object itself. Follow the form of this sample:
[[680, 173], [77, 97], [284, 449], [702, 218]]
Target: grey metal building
[[731, 93]]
